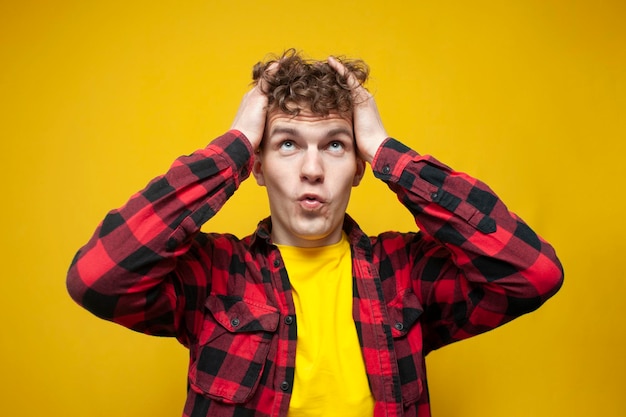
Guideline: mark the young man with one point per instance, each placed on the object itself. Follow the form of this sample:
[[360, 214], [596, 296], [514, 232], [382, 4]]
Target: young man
[[308, 316]]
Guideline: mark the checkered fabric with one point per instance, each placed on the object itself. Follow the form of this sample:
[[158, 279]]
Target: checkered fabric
[[473, 266]]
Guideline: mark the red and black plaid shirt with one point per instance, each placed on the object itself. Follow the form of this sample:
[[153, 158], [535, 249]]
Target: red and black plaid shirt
[[472, 267]]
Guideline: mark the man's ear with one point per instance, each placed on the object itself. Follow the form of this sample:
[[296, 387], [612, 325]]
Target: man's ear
[[257, 169], [360, 171]]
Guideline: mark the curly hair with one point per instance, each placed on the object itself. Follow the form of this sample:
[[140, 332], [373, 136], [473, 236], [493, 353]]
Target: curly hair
[[303, 84]]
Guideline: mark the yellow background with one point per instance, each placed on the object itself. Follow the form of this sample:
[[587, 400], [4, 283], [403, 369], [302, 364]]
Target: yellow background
[[96, 98]]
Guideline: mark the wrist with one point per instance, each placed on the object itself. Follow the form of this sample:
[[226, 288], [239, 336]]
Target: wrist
[[369, 153]]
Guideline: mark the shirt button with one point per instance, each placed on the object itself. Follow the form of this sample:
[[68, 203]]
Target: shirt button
[[289, 320], [386, 169], [284, 385], [434, 195], [171, 244], [276, 263], [234, 322], [399, 326]]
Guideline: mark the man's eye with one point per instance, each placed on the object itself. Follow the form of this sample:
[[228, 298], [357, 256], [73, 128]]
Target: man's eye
[[335, 146], [287, 144]]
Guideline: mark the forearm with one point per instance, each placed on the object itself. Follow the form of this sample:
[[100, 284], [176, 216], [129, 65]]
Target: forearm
[[120, 274], [490, 261]]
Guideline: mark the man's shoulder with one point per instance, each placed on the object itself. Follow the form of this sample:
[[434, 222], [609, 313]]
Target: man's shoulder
[[391, 241], [221, 239]]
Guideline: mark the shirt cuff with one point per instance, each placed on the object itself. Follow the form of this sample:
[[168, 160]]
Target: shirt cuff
[[391, 159], [234, 148]]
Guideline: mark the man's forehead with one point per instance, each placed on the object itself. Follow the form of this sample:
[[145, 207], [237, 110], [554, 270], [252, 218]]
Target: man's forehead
[[306, 117]]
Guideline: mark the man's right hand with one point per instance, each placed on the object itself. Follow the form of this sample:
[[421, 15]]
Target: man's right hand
[[252, 112]]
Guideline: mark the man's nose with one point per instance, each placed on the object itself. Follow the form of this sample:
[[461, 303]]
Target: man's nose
[[312, 166]]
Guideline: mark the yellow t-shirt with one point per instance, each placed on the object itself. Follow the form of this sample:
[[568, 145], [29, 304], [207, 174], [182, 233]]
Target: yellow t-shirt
[[330, 378]]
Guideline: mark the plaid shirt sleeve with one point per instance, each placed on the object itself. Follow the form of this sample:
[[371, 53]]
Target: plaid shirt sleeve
[[122, 273], [474, 265]]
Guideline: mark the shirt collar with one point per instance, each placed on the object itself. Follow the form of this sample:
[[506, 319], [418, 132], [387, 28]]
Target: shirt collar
[[356, 236]]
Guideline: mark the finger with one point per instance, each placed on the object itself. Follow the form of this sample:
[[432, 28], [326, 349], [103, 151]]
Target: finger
[[359, 93], [343, 71], [270, 70], [273, 67], [336, 65]]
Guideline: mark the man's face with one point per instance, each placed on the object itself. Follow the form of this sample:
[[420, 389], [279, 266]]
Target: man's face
[[308, 164]]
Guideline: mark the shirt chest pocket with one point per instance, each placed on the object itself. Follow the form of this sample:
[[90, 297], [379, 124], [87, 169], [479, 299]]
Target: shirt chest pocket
[[233, 349], [404, 313]]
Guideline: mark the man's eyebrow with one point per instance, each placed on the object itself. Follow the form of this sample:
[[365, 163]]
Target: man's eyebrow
[[339, 131], [284, 129]]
